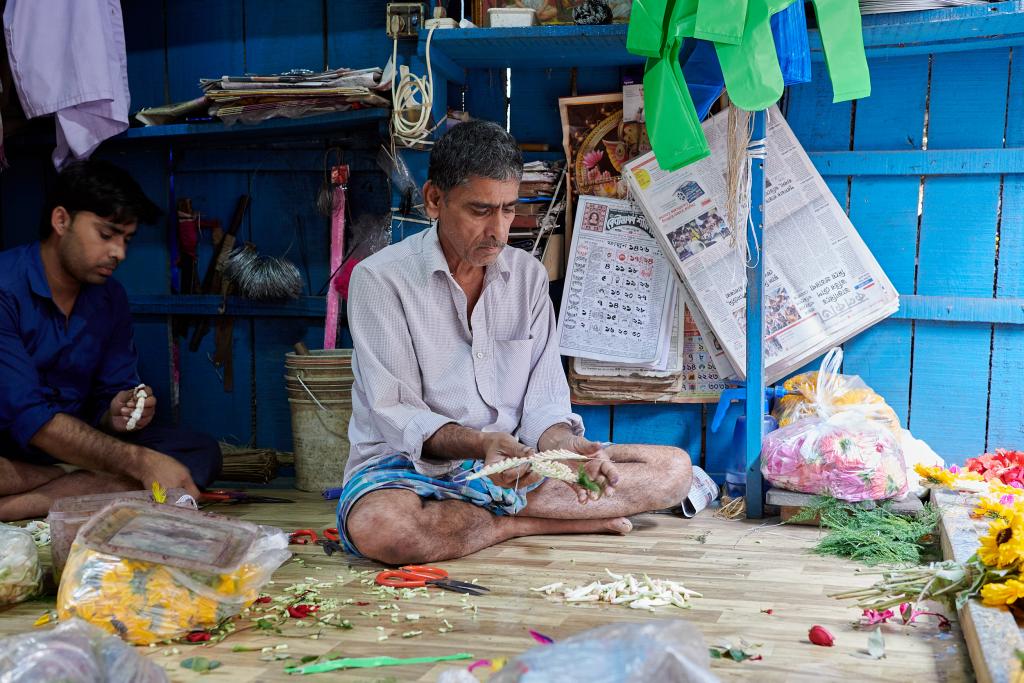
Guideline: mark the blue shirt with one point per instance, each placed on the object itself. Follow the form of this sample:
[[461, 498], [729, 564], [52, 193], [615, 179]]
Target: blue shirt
[[50, 363]]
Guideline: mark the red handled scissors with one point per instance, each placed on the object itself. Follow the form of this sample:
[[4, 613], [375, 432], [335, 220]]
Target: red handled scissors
[[416, 576]]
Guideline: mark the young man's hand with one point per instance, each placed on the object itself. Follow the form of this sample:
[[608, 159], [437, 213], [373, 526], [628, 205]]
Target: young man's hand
[[499, 446], [122, 405], [156, 467]]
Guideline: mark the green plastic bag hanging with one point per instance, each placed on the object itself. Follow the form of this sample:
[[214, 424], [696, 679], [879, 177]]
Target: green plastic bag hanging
[[753, 78], [842, 39], [721, 21], [646, 33], [672, 123], [656, 29], [751, 69]]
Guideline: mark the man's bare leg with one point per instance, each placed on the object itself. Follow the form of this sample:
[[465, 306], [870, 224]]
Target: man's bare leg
[[650, 478], [396, 526], [36, 502], [18, 477]]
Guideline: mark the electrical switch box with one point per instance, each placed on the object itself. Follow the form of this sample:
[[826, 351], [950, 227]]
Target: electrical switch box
[[404, 19]]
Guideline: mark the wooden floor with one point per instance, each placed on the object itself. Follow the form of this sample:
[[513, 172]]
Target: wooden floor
[[740, 567]]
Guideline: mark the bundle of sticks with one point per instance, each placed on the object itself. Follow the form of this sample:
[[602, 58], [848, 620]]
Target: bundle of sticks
[[256, 465]]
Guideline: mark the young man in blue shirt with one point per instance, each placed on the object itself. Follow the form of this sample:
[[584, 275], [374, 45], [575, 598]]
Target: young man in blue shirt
[[68, 361]]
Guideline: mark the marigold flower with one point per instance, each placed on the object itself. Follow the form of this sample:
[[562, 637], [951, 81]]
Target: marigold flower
[[997, 594]]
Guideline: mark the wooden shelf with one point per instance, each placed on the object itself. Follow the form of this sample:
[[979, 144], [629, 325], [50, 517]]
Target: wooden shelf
[[207, 304], [537, 47], [279, 127], [885, 35]]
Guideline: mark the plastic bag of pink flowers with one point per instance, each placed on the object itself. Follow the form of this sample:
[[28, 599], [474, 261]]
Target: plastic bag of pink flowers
[[846, 456]]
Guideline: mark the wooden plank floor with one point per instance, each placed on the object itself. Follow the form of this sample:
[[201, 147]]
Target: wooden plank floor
[[740, 567]]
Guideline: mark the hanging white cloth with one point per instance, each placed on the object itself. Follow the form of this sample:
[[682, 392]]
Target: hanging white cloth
[[68, 58]]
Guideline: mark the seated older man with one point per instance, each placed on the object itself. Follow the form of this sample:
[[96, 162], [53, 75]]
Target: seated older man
[[456, 367]]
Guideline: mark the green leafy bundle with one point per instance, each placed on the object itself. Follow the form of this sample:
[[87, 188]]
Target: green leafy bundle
[[874, 535]]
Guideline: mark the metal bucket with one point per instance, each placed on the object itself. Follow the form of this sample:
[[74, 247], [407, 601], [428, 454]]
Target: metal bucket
[[319, 388]]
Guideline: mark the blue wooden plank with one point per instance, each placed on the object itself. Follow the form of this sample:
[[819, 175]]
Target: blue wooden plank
[[950, 392], [485, 94], [23, 197], [945, 355], [211, 305], [199, 133], [1005, 310], [919, 162], [938, 31], [355, 34], [146, 269], [204, 40], [596, 420], [144, 45], [884, 211], [537, 46], [753, 406], [284, 36], [1006, 406], [285, 223], [818, 123], [153, 343], [204, 405], [1006, 409], [667, 425]]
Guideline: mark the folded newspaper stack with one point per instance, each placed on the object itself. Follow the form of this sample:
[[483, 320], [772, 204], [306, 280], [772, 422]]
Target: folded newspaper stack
[[821, 284]]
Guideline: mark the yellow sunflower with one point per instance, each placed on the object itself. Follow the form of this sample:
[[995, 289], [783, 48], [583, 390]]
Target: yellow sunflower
[[993, 509], [935, 476], [1003, 546], [997, 594]]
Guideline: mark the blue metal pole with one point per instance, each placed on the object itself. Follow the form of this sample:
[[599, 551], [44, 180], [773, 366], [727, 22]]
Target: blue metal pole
[[754, 408]]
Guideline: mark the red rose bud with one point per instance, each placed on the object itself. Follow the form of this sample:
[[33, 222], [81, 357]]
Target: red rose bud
[[198, 637], [301, 611], [819, 635]]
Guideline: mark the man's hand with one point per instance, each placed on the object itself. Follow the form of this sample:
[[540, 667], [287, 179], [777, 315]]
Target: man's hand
[[498, 446], [599, 467], [122, 405], [156, 467]]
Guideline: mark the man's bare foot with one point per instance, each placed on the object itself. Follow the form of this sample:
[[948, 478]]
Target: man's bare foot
[[619, 525]]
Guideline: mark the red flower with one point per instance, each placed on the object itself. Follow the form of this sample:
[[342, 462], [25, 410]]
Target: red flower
[[198, 637], [263, 599], [819, 635], [301, 611], [767, 611]]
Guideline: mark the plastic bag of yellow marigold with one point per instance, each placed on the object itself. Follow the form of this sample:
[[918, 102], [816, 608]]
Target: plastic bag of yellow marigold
[[150, 572]]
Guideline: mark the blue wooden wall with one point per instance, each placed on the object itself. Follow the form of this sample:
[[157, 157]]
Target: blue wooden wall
[[945, 224], [949, 370]]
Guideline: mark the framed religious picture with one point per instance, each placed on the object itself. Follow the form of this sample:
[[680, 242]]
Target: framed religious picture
[[550, 11]]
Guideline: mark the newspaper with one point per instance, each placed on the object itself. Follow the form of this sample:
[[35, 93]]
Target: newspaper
[[821, 284]]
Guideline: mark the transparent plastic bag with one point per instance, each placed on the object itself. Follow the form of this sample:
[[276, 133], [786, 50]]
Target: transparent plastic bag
[[20, 573], [846, 456], [665, 651], [826, 392], [146, 602], [74, 652]]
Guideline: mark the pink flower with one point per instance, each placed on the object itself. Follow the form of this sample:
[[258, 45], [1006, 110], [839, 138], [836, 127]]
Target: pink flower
[[954, 469], [873, 617], [1007, 499], [592, 158]]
